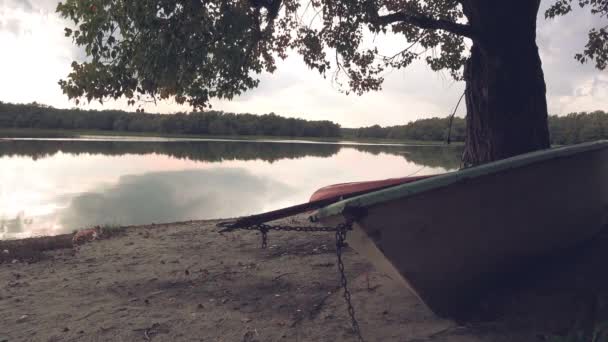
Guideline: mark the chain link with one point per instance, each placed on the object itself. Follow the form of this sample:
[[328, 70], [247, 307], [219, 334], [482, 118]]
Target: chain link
[[340, 231]]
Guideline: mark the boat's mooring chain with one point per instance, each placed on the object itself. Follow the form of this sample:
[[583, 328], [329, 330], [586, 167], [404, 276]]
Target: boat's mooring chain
[[340, 230]]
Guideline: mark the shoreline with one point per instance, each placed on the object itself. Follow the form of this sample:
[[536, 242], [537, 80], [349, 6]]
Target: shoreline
[[186, 282], [9, 133]]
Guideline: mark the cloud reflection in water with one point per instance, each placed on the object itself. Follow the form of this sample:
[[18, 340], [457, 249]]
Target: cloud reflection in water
[[174, 196]]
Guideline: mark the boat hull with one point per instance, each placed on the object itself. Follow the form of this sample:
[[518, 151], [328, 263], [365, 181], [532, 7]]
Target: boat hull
[[450, 243]]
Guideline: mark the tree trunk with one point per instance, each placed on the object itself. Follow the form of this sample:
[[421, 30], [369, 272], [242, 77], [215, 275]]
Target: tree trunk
[[505, 86]]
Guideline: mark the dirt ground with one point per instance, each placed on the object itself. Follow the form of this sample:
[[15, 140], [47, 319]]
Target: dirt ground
[[187, 282]]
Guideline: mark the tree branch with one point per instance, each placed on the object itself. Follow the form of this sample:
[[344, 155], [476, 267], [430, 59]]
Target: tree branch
[[425, 23]]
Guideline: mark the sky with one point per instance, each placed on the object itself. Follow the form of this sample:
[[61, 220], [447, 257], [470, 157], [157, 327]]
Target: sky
[[35, 54]]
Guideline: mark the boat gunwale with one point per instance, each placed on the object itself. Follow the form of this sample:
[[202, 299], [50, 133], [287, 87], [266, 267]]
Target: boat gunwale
[[443, 180]]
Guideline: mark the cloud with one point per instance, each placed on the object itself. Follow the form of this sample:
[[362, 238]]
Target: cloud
[[11, 25], [571, 86], [25, 5], [41, 55]]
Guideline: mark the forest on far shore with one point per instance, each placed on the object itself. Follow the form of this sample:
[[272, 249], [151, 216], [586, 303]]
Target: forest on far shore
[[567, 129]]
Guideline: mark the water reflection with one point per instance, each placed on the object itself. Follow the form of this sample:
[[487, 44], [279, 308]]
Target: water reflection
[[447, 157], [174, 196], [51, 187], [214, 151]]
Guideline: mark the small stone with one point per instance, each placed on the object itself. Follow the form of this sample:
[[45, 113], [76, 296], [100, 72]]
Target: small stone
[[246, 320], [6, 251], [66, 329], [200, 306], [14, 261], [22, 318]]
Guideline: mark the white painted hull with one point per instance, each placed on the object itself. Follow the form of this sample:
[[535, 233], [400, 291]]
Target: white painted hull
[[447, 243]]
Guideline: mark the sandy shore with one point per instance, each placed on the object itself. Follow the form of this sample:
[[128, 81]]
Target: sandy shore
[[186, 282]]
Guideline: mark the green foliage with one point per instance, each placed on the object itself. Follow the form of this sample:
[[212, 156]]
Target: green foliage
[[196, 50], [204, 123], [573, 128], [434, 129]]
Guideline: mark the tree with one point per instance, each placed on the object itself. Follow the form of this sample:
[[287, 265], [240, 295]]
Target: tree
[[195, 50]]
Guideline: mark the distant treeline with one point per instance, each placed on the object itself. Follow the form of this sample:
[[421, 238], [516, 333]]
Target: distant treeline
[[573, 128], [202, 123], [570, 129], [435, 129]]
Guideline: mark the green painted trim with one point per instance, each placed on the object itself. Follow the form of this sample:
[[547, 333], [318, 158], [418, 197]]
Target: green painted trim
[[406, 190]]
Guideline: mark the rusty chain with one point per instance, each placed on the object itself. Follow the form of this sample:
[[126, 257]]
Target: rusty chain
[[340, 231]]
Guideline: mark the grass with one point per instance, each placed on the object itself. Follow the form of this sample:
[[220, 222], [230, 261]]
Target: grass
[[63, 133]]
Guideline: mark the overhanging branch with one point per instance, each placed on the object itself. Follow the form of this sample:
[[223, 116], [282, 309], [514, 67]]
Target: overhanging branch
[[425, 23]]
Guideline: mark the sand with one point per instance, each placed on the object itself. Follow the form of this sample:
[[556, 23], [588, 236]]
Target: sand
[[187, 282]]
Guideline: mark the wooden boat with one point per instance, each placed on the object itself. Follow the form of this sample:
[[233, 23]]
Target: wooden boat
[[448, 238]]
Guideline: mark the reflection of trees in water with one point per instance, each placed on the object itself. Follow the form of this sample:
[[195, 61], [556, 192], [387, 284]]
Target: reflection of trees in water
[[215, 151], [444, 156]]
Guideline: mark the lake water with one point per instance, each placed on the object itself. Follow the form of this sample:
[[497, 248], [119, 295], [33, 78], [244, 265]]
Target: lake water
[[54, 186]]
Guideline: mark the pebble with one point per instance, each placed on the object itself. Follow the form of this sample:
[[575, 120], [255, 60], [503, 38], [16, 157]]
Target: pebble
[[22, 318]]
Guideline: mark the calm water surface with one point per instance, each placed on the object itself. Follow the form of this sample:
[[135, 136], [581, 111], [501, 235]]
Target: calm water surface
[[53, 186]]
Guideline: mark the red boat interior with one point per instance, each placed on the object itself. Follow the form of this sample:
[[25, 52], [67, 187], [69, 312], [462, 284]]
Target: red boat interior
[[322, 197], [345, 190]]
